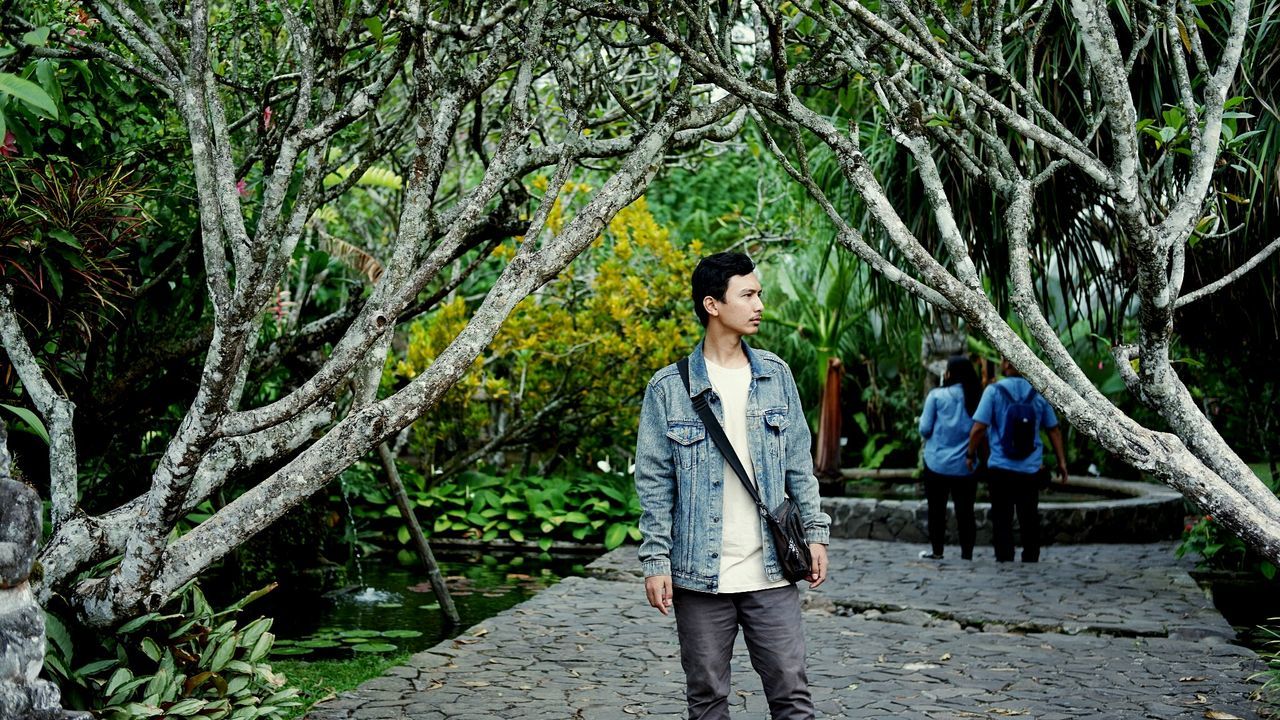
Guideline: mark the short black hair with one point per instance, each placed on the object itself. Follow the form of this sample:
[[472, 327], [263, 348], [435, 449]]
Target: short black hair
[[711, 278]]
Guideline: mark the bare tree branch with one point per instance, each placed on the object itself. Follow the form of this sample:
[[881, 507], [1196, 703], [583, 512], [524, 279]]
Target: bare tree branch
[[1230, 277]]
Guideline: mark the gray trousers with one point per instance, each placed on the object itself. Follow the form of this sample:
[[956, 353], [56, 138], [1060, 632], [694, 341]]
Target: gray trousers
[[707, 626]]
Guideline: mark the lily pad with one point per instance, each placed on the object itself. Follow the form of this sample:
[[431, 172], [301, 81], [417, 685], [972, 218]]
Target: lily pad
[[371, 647], [291, 651], [320, 643], [401, 633]]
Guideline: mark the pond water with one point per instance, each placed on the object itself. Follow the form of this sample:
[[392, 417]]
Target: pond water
[[1250, 603], [393, 609]]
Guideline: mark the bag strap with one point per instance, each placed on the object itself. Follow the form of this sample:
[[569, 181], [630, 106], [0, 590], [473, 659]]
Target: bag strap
[[1010, 399], [722, 441]]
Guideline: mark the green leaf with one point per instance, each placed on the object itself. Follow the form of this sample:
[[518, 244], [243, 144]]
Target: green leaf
[[249, 636], [29, 93], [96, 667], [1267, 569], [318, 643], [186, 708], [117, 680], [290, 652], [373, 647], [517, 534], [225, 652], [261, 647], [142, 710], [615, 535], [236, 685], [375, 28], [403, 535], [544, 544], [41, 34], [281, 696], [57, 632], [46, 72], [32, 422], [151, 649], [402, 633]]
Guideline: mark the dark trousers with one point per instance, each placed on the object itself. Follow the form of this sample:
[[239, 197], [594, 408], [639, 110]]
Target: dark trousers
[[962, 490], [1009, 491], [707, 625]]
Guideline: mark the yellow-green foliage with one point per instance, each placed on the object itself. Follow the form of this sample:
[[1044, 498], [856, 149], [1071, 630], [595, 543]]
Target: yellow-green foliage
[[588, 341]]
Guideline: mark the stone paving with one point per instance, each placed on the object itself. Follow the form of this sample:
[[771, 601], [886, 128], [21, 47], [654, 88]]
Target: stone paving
[[1106, 631]]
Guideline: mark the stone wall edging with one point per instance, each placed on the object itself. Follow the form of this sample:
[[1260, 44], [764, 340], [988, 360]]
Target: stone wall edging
[[1154, 513]]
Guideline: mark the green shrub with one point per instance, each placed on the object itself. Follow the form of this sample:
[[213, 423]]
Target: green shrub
[[563, 379], [572, 506], [1221, 550], [1269, 693], [185, 661]]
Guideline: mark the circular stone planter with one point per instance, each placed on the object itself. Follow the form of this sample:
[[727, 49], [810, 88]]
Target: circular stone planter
[[1145, 513]]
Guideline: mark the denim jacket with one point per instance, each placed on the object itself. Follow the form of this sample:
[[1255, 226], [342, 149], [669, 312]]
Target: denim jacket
[[680, 471]]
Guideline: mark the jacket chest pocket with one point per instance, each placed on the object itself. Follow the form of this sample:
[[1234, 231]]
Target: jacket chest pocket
[[775, 430], [689, 441]]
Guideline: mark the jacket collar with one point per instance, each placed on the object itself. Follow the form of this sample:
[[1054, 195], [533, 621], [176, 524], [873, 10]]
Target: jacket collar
[[700, 382]]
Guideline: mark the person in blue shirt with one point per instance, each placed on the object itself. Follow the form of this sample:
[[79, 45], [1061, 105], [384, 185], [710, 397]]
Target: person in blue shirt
[[1014, 482], [945, 425]]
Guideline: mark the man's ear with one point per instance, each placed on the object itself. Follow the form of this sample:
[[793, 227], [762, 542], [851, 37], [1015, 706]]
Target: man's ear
[[709, 304]]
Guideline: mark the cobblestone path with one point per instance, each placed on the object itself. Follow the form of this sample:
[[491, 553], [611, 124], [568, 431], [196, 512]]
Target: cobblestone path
[[1114, 631]]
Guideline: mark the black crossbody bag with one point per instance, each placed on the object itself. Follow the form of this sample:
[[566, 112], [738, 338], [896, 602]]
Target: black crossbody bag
[[785, 525]]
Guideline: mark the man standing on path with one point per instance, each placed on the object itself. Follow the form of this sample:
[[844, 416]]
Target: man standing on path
[[1015, 412], [706, 547]]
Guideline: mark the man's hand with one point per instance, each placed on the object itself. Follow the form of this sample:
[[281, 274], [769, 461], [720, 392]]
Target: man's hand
[[819, 573], [658, 589], [977, 445], [1062, 473]]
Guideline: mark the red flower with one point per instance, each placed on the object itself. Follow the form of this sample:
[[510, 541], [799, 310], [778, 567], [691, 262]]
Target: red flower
[[266, 118], [243, 188], [10, 146]]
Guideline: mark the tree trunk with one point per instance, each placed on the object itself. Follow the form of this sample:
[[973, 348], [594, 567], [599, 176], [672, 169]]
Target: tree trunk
[[419, 540], [827, 464]]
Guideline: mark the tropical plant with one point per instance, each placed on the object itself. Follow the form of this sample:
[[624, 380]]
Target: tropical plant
[[573, 506], [65, 248], [184, 660], [1269, 693]]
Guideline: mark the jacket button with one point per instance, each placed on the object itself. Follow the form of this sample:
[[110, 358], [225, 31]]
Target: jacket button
[[715, 519], [715, 555]]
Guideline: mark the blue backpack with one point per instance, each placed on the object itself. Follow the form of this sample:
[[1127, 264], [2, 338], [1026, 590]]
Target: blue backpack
[[1021, 424]]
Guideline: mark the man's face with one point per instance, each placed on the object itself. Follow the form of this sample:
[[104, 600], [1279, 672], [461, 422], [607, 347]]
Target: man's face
[[742, 307]]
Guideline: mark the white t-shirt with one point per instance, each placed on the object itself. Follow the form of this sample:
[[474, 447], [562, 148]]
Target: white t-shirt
[[741, 544]]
